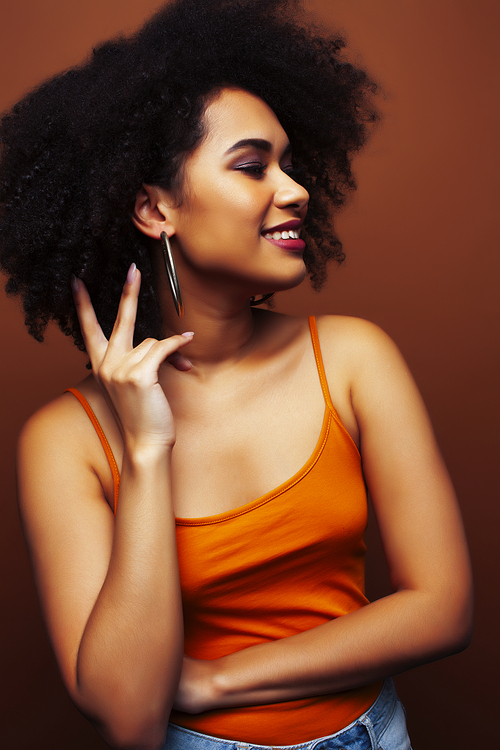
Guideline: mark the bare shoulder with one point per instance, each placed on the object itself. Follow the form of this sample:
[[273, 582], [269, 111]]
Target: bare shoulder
[[364, 369], [366, 354], [59, 425], [58, 421], [353, 335], [52, 429], [59, 440]]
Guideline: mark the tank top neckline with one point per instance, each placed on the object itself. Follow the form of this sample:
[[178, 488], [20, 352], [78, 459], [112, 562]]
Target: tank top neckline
[[329, 414]]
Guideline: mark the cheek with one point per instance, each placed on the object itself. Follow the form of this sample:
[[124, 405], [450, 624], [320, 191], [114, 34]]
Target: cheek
[[212, 240], [220, 218], [225, 217]]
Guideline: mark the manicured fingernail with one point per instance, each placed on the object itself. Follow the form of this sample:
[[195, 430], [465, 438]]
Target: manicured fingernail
[[188, 334], [74, 283], [131, 273]]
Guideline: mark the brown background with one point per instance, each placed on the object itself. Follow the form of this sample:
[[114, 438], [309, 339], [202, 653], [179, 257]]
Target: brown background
[[422, 243]]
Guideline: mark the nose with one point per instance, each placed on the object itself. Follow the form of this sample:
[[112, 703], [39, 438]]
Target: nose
[[290, 193]]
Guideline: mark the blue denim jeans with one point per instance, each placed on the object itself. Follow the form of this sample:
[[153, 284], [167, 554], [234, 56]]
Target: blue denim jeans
[[382, 727]]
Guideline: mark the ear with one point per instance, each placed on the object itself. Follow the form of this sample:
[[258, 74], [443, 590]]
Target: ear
[[152, 214]]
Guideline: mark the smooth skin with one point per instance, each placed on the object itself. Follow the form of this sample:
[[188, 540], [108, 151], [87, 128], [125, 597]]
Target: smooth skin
[[189, 419]]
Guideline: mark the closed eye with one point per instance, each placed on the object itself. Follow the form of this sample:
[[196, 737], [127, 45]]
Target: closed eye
[[256, 169]]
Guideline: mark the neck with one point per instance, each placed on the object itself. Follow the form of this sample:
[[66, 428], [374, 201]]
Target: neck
[[224, 327], [219, 314], [223, 332]]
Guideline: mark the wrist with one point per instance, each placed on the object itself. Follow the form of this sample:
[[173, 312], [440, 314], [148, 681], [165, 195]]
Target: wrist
[[200, 688], [207, 695], [220, 686], [146, 456]]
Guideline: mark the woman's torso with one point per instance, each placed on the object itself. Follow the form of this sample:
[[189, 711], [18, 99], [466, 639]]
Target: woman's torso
[[313, 524]]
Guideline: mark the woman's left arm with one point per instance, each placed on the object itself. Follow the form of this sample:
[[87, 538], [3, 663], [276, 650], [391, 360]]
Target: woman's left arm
[[428, 616]]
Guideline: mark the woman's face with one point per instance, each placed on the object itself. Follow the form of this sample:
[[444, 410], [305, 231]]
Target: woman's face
[[240, 213]]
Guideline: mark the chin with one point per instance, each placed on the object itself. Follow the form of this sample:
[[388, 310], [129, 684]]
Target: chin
[[283, 284]]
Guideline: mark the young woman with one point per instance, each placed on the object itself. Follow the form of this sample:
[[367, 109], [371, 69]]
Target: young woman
[[196, 528]]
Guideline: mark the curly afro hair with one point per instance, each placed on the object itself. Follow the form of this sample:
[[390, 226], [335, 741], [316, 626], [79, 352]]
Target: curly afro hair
[[77, 149]]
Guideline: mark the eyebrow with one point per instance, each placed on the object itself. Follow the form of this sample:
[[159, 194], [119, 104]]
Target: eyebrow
[[259, 143]]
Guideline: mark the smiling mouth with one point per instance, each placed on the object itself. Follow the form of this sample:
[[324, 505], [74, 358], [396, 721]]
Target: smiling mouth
[[287, 239], [290, 234]]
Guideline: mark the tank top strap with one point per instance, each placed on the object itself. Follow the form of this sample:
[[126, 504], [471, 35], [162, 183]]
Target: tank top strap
[[104, 442], [319, 364]]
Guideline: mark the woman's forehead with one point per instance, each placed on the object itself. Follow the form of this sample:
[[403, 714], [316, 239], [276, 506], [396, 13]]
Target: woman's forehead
[[236, 116]]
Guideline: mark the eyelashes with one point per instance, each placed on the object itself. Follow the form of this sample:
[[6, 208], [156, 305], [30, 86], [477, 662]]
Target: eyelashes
[[295, 173], [255, 168], [258, 169]]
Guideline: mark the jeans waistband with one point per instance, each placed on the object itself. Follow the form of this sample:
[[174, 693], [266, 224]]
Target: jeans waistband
[[360, 734]]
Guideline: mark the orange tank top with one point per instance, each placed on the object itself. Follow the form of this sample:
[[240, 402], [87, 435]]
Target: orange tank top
[[280, 565]]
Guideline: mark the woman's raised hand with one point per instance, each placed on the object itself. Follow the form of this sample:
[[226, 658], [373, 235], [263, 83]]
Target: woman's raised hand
[[128, 375]]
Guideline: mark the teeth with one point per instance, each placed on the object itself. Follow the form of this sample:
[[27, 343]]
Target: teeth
[[292, 234]]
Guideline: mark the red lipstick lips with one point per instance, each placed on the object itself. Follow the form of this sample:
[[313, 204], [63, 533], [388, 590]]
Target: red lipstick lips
[[291, 224], [286, 236]]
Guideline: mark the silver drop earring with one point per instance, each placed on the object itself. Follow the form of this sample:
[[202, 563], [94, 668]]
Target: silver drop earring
[[173, 279]]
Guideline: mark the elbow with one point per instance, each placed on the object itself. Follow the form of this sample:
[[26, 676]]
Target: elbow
[[461, 635], [133, 742], [444, 624], [127, 725], [455, 641], [124, 713], [457, 628], [130, 735]]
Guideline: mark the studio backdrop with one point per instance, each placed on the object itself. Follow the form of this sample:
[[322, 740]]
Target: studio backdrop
[[422, 244]]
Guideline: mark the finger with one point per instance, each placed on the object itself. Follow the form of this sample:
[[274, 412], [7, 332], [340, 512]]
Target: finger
[[94, 339], [143, 362], [122, 335], [157, 352], [180, 362]]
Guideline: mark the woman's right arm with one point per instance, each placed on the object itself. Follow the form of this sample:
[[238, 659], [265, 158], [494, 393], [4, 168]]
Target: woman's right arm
[[110, 586]]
